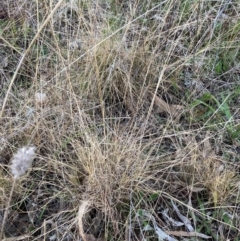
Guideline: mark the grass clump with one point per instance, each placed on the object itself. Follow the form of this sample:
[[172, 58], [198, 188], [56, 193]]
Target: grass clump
[[133, 110]]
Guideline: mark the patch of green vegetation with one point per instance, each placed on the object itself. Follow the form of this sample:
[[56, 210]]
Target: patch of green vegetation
[[216, 217], [227, 59], [217, 113]]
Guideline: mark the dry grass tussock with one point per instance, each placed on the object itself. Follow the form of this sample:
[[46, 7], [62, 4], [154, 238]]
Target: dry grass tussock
[[133, 107]]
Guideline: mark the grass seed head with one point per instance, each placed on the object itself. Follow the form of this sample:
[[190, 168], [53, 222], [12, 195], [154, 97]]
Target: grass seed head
[[40, 98], [22, 161]]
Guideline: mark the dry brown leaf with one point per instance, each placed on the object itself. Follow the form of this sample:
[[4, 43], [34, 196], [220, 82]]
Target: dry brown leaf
[[22, 237], [207, 148], [188, 234], [195, 189], [81, 212], [173, 110], [183, 218]]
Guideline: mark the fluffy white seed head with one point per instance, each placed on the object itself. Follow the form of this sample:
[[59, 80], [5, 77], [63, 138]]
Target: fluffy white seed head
[[22, 161], [41, 98]]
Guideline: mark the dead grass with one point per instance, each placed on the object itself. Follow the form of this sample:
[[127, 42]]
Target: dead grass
[[139, 118]]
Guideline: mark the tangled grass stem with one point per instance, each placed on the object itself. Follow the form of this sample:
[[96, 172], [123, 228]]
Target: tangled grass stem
[[7, 209]]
